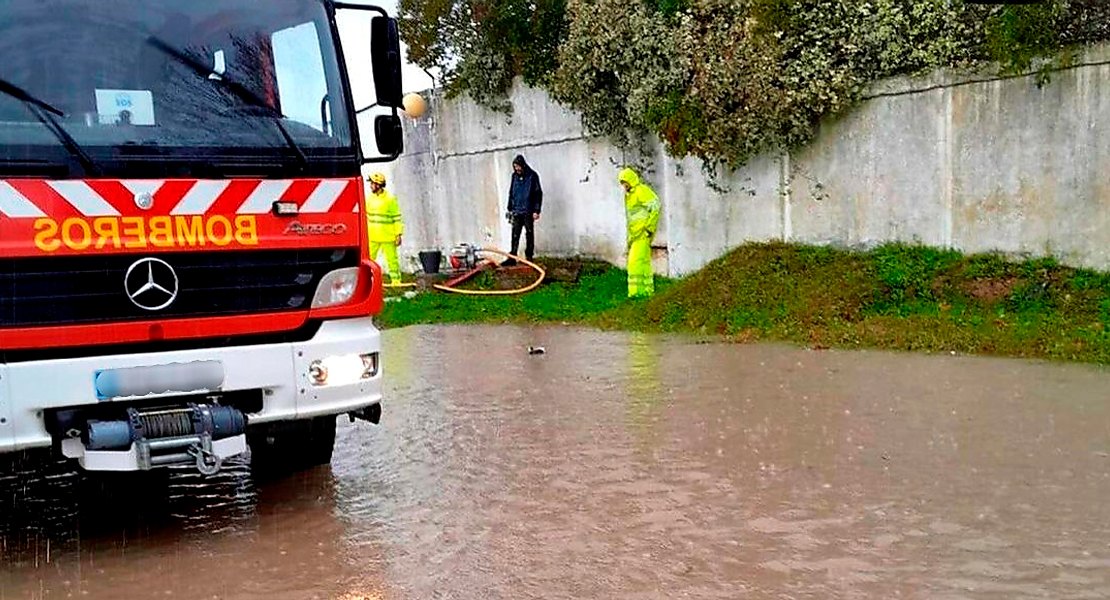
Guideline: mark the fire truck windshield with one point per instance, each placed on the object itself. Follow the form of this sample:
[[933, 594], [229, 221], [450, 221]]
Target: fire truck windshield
[[160, 87]]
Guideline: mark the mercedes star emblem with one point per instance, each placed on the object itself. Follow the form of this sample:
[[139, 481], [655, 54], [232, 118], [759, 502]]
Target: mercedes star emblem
[[151, 284]]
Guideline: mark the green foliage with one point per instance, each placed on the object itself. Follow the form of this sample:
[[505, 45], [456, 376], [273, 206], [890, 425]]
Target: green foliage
[[680, 122], [618, 59], [668, 7], [432, 29], [602, 289], [908, 272], [1018, 34], [479, 46], [1084, 22], [724, 80]]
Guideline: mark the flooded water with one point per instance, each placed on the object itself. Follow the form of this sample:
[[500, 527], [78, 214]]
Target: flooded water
[[625, 466]]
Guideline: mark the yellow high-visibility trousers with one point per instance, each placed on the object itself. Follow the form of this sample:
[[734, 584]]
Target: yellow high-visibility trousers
[[641, 281], [390, 250]]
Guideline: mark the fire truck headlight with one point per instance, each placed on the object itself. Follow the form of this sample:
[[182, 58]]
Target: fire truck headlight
[[347, 369], [337, 287]]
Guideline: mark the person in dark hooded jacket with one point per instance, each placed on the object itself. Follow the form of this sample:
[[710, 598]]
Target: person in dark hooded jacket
[[525, 203]]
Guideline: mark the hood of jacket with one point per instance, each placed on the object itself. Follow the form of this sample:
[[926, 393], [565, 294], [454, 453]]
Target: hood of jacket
[[630, 177], [519, 160]]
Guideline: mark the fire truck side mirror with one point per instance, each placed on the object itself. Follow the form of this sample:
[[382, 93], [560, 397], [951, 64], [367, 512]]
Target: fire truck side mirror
[[388, 135], [385, 53]]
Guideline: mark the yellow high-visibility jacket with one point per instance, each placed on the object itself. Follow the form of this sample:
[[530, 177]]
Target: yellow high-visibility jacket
[[641, 206], [383, 217]]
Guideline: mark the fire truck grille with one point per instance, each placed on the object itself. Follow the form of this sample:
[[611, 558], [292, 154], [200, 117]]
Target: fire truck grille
[[105, 289]]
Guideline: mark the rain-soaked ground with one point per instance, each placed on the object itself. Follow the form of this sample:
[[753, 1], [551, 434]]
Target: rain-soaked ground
[[626, 466]]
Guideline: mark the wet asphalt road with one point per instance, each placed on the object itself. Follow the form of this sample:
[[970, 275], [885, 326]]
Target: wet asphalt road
[[622, 465]]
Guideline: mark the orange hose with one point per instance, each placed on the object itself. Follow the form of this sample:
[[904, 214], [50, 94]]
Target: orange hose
[[535, 284]]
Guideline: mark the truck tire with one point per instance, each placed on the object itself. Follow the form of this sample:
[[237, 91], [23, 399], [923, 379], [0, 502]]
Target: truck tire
[[290, 446], [320, 441]]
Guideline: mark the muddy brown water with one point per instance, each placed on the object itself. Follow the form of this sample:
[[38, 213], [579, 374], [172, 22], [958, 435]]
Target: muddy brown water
[[621, 465]]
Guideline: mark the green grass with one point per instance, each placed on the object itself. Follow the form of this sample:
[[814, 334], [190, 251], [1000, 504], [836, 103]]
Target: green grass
[[600, 291], [896, 297]]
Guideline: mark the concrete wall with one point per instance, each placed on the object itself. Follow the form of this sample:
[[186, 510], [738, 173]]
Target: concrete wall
[[977, 164]]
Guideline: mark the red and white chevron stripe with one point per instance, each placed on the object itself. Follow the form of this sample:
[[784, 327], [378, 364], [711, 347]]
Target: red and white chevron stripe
[[35, 198]]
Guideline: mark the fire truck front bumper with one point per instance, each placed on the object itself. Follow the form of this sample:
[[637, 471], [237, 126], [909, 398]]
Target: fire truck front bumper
[[52, 402]]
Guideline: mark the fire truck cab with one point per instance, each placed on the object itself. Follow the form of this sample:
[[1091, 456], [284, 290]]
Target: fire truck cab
[[183, 266]]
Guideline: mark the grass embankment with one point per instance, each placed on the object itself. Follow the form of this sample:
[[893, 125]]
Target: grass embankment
[[896, 297]]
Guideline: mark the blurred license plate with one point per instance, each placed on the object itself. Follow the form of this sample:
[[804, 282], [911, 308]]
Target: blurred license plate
[[180, 378]]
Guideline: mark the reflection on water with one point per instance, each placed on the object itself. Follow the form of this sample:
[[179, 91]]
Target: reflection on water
[[645, 394], [622, 466]]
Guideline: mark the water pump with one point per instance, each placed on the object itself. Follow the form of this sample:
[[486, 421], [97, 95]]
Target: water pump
[[464, 257]]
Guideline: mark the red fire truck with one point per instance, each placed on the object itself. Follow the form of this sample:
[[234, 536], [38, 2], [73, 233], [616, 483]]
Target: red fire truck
[[183, 269]]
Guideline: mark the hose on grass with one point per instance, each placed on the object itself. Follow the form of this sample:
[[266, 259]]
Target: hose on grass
[[535, 284]]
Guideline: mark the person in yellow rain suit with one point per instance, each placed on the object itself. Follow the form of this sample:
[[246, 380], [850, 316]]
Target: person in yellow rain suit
[[641, 207], [383, 225]]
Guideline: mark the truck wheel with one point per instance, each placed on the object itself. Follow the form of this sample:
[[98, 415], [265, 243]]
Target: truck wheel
[[290, 446], [320, 441]]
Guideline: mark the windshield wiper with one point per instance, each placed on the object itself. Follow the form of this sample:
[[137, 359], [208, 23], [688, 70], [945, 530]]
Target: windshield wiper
[[45, 112], [244, 94]]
